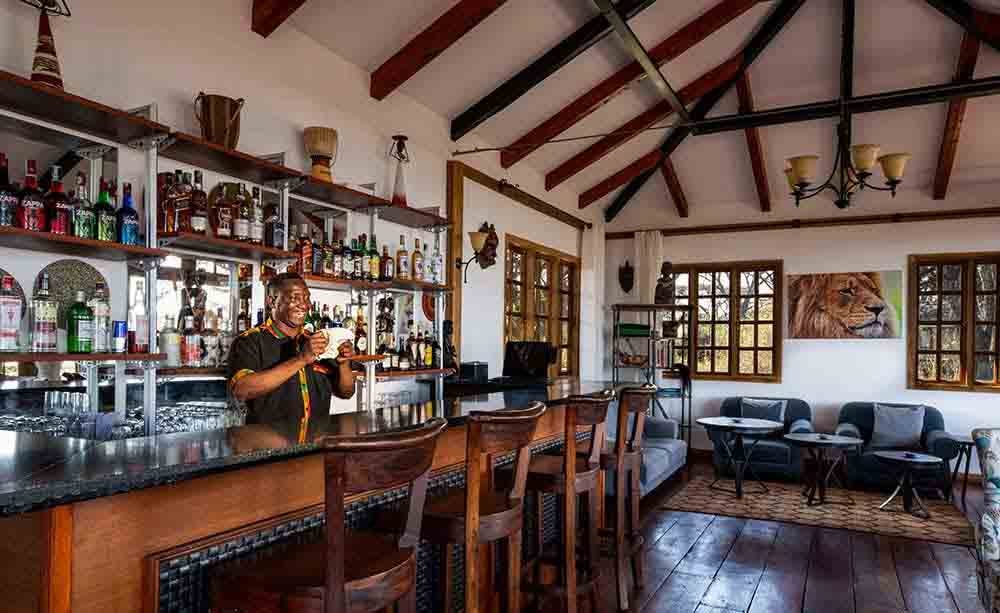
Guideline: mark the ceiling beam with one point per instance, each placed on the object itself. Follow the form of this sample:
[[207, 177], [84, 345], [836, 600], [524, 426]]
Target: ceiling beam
[[269, 14], [552, 60], [780, 16], [754, 146], [637, 51], [632, 128], [430, 43], [670, 48], [674, 187], [983, 25], [967, 55]]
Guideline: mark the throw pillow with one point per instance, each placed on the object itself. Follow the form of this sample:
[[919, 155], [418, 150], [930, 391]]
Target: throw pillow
[[763, 408], [897, 427]]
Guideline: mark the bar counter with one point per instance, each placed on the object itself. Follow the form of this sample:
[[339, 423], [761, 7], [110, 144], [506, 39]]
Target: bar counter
[[132, 525]]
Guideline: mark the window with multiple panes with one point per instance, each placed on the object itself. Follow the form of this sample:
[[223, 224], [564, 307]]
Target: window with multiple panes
[[953, 322], [735, 322], [542, 294]]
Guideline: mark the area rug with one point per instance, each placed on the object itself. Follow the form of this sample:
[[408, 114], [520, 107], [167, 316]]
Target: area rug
[[785, 502]]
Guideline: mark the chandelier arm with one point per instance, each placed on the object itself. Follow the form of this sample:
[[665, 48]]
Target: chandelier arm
[[877, 188]]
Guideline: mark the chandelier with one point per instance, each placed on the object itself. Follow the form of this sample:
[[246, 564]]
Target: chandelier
[[852, 169]]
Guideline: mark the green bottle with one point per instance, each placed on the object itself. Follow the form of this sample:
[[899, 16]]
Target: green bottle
[[80, 321], [104, 212]]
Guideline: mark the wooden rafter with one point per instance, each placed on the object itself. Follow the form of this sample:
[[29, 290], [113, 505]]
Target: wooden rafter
[[674, 45], [674, 187], [430, 43], [780, 16], [552, 60], [269, 14], [982, 24], [967, 55], [630, 129], [754, 146]]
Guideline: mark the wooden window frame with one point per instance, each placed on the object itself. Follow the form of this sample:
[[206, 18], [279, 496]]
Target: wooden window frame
[[734, 269], [508, 281], [556, 258], [967, 353]]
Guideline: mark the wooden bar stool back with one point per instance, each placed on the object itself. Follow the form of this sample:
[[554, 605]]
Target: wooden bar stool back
[[624, 459], [553, 474], [483, 514], [345, 571]]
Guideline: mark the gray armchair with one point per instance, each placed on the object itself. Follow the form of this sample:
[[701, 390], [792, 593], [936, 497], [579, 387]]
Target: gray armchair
[[772, 456], [865, 470]]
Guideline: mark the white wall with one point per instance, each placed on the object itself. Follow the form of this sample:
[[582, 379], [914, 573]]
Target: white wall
[[828, 373], [128, 54]]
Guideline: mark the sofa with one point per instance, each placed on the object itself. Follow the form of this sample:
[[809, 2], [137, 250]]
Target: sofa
[[865, 470], [988, 529], [772, 456], [663, 452]]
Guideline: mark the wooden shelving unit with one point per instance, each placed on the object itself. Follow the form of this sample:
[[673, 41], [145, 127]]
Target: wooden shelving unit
[[340, 195], [19, 238], [198, 152], [185, 371], [211, 245], [400, 284], [35, 356], [411, 217], [318, 281]]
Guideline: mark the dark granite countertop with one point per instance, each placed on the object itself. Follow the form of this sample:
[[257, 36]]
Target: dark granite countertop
[[38, 471]]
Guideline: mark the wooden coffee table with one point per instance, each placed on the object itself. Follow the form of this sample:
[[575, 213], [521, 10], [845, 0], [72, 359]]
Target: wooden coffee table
[[908, 462], [738, 455], [824, 467]]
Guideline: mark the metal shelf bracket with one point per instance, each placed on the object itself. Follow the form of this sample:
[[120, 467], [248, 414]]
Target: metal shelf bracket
[[156, 141], [289, 184], [94, 152]]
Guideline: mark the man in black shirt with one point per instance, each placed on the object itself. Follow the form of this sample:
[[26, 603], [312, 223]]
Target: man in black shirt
[[273, 367]]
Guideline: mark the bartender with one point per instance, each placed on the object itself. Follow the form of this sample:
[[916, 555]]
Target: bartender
[[273, 367]]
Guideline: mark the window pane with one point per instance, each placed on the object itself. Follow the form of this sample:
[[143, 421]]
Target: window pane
[[681, 284], [748, 310], [704, 284], [986, 307], [951, 338], [515, 298], [564, 327], [705, 309], [747, 282], [565, 277], [985, 338], [765, 282], [951, 368], [765, 362], [704, 360], [515, 328], [927, 367], [928, 308], [765, 309], [721, 335], [746, 336], [985, 368], [564, 360], [704, 335], [928, 276], [746, 362], [541, 302], [722, 283], [680, 356], [951, 281], [516, 265], [986, 278], [564, 305], [765, 335], [951, 307], [722, 309], [928, 338], [542, 272], [722, 361], [541, 330]]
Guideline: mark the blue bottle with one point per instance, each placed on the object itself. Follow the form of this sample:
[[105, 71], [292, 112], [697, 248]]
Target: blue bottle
[[127, 219]]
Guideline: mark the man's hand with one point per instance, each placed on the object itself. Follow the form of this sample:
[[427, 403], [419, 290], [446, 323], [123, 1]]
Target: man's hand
[[313, 347], [345, 352]]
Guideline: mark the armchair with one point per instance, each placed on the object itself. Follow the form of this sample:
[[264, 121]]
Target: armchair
[[772, 456], [865, 470], [988, 529]]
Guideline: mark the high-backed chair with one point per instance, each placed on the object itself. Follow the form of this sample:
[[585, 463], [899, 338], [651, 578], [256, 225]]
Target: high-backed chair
[[988, 529], [345, 571], [772, 456]]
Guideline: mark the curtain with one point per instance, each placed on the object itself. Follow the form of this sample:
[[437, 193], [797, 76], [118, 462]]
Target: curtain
[[648, 255]]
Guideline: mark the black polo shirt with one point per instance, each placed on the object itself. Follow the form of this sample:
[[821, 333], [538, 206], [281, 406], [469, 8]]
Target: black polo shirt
[[303, 396]]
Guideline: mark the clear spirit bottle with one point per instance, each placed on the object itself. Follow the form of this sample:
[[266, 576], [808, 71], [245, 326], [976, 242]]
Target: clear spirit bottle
[[44, 318], [138, 322], [10, 314], [102, 318]]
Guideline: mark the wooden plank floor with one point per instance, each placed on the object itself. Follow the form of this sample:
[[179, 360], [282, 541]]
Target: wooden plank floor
[[698, 563]]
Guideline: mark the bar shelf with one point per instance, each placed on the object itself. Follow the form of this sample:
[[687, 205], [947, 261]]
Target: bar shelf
[[185, 371], [412, 373], [410, 217], [39, 356], [339, 195], [212, 245], [198, 152], [19, 238], [320, 281]]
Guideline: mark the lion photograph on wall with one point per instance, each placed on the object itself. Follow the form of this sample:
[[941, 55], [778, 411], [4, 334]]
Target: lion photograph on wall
[[853, 305]]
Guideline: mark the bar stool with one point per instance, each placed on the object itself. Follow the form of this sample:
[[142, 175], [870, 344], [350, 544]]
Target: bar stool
[[480, 515], [623, 458], [380, 570], [552, 474]]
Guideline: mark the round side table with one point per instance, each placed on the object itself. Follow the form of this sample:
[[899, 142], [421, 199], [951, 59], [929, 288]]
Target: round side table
[[738, 454], [824, 466], [908, 462]]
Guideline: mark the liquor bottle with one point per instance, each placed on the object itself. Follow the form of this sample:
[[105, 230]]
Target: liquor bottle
[[8, 196], [225, 336], [84, 219], [388, 265], [360, 259], [197, 207], [57, 207], [404, 355], [393, 358], [127, 219], [104, 215], [418, 350], [190, 344], [435, 353], [437, 262], [417, 260], [222, 216], [328, 257], [428, 350], [31, 209], [360, 334], [210, 357], [374, 259], [256, 218], [170, 343], [168, 211], [44, 318], [186, 309], [305, 249], [338, 318], [102, 318], [411, 340], [260, 317], [338, 259], [319, 255], [79, 325], [243, 319], [274, 227], [10, 314], [325, 320], [309, 324], [402, 260], [241, 214], [138, 322], [347, 261]]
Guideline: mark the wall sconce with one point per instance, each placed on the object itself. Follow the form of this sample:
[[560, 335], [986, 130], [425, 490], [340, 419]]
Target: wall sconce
[[484, 244]]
